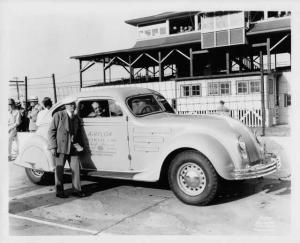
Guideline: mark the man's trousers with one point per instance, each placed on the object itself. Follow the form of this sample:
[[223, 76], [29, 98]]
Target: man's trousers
[[60, 161]]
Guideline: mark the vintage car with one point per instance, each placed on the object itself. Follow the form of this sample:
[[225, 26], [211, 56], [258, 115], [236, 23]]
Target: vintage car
[[139, 137]]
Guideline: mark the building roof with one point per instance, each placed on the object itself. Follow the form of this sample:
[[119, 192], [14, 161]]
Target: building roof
[[270, 25], [158, 43], [159, 17]]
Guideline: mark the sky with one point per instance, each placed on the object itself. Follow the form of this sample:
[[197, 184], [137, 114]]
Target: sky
[[41, 38]]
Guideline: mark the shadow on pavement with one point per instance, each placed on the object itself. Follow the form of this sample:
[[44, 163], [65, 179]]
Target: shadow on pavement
[[235, 190], [230, 191]]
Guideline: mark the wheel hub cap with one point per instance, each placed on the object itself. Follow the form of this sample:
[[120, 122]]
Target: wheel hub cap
[[191, 179], [37, 173]]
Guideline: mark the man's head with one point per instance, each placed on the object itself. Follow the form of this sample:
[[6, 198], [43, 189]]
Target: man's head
[[47, 102], [70, 104], [33, 101], [11, 104], [96, 107]]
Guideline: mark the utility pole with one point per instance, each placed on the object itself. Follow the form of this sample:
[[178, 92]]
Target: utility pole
[[54, 88], [26, 93], [17, 85]]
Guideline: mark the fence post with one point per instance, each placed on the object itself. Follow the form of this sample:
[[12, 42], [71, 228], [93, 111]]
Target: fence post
[[26, 93], [54, 88], [262, 93]]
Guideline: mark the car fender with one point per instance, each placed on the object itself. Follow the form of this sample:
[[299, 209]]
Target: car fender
[[35, 154], [209, 146]]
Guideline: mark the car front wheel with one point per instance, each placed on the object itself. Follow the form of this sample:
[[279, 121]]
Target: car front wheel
[[193, 179], [39, 177]]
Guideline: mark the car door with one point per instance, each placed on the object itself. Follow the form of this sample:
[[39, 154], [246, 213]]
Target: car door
[[105, 136]]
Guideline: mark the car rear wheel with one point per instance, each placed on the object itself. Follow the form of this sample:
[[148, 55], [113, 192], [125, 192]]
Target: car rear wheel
[[193, 179], [39, 177]]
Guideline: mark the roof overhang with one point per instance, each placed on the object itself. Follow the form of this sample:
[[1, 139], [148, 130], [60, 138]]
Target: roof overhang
[[269, 26], [159, 17], [147, 45]]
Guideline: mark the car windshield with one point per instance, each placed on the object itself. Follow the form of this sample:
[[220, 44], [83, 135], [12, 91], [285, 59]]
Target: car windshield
[[148, 104], [164, 103]]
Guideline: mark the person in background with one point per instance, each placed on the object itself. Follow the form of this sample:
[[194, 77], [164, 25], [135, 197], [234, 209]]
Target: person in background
[[24, 119], [47, 104], [222, 109], [34, 109], [65, 143], [97, 110], [14, 121]]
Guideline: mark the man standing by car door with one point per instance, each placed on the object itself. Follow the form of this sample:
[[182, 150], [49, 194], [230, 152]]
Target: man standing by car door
[[65, 144]]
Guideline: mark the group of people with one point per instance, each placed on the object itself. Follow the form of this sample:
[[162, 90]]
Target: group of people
[[23, 118], [182, 29]]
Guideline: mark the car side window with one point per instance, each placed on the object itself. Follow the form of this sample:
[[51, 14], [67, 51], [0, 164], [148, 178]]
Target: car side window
[[114, 108], [98, 108]]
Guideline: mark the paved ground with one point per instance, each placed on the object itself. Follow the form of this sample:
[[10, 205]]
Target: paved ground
[[255, 207]]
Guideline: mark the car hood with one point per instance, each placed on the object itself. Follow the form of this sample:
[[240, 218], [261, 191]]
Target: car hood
[[223, 128]]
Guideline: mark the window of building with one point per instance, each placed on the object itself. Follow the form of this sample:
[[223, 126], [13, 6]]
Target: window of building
[[219, 88], [196, 90], [163, 30], [271, 86], [150, 31], [213, 88], [287, 100], [242, 87], [155, 32], [191, 90], [183, 24], [185, 90], [255, 86], [225, 88]]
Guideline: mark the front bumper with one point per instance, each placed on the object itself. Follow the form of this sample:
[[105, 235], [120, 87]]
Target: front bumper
[[265, 167]]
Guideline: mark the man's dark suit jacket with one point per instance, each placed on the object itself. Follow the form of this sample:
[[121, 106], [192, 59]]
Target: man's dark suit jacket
[[59, 133]]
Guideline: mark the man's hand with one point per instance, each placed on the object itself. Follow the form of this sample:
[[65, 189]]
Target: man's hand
[[53, 152]]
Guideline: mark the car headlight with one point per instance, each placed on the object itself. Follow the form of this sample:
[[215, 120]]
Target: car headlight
[[258, 138], [242, 147], [242, 143]]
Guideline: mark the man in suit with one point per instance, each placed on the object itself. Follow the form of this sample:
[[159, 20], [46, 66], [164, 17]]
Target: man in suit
[[65, 142]]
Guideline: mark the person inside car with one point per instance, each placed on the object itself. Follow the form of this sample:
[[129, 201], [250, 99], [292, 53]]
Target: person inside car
[[97, 110]]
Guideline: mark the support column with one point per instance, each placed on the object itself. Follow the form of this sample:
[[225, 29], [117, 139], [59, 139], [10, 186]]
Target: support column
[[251, 63], [191, 63], [268, 55], [159, 66], [80, 74], [228, 69], [147, 73], [168, 27], [262, 85], [26, 93], [104, 74], [196, 22], [54, 88], [130, 69]]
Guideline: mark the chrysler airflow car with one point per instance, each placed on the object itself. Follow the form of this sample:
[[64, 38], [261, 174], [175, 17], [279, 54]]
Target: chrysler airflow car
[[139, 137]]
